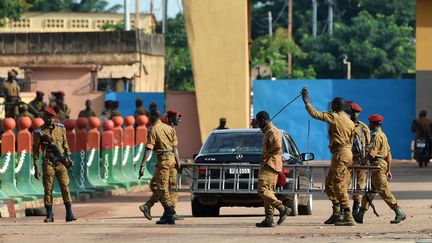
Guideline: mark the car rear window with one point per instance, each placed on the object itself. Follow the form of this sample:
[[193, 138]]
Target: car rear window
[[232, 142]]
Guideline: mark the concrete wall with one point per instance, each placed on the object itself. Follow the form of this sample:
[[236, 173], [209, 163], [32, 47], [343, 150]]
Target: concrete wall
[[424, 56], [189, 130], [75, 82], [218, 42], [74, 22]]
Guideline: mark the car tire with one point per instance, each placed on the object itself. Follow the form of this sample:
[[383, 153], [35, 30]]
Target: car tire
[[200, 210], [306, 209]]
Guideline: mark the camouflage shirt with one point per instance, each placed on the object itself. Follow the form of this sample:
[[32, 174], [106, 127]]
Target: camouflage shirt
[[341, 128], [56, 133], [162, 138], [272, 147]]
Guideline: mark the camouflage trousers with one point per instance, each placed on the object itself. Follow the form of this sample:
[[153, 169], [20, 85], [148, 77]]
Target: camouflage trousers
[[172, 184], [380, 184], [361, 180], [160, 182], [60, 172], [339, 177], [267, 178]]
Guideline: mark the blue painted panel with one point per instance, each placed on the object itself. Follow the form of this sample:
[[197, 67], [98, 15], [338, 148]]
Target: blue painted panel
[[127, 101], [394, 99]]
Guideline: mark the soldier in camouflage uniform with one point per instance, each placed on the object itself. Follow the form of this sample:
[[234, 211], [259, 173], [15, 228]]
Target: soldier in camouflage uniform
[[11, 91], [87, 112], [140, 110], [38, 103], [51, 139], [63, 110], [379, 155], [341, 132], [270, 167], [163, 141], [361, 142], [173, 119], [24, 111]]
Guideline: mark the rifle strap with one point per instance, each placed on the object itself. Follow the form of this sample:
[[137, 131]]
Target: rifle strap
[[369, 199]]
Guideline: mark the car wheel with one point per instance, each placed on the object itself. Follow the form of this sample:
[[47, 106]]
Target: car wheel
[[306, 209], [200, 210], [294, 206]]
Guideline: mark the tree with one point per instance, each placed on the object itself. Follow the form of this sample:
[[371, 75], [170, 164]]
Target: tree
[[12, 9], [73, 6], [274, 52], [377, 36], [178, 66]]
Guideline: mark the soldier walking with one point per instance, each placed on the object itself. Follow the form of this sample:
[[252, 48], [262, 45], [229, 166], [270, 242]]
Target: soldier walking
[[341, 133], [51, 139], [173, 120], [270, 166], [361, 142], [163, 141], [379, 155]]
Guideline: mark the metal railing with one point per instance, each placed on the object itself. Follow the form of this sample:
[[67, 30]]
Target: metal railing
[[243, 179]]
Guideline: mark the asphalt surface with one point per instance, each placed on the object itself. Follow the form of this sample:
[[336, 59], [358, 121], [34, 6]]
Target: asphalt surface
[[118, 219]]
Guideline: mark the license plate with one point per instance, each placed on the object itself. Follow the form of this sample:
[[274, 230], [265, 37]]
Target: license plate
[[421, 145], [239, 171]]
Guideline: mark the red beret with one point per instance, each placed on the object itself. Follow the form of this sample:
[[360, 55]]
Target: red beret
[[50, 111], [356, 107], [174, 112], [376, 118]]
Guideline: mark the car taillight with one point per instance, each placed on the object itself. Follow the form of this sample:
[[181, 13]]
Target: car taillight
[[202, 171], [286, 171]]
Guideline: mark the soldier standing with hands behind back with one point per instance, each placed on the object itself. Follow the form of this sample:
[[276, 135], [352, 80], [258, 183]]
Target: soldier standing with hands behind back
[[341, 133], [51, 138]]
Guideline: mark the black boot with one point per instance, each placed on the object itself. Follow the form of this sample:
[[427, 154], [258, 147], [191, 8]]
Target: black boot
[[283, 213], [355, 208], [49, 215], [69, 214], [359, 216], [336, 215], [400, 215], [167, 218], [267, 222]]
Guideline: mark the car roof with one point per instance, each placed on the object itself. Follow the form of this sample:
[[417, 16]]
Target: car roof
[[240, 130]]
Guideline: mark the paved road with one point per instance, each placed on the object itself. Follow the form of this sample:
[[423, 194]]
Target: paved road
[[118, 219]]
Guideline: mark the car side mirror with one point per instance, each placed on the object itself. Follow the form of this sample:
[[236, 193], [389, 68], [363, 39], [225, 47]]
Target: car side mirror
[[307, 156], [194, 156]]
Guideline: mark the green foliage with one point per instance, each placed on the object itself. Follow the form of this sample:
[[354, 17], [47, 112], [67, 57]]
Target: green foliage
[[178, 67], [113, 27], [73, 6], [274, 53], [377, 36], [12, 9]]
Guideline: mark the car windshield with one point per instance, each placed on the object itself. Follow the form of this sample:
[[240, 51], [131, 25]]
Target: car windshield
[[233, 142]]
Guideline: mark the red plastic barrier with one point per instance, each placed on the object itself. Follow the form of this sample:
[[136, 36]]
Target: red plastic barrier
[[93, 133], [24, 136], [141, 130], [118, 131]]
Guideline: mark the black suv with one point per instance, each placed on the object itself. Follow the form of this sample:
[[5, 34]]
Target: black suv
[[241, 147]]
